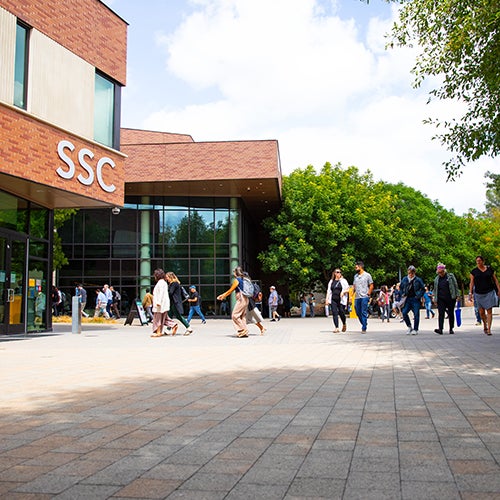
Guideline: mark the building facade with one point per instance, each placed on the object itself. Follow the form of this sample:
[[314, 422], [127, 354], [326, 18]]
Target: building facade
[[63, 65], [194, 208]]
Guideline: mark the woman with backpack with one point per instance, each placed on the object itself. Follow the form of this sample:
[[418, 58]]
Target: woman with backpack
[[240, 309], [176, 299], [253, 312]]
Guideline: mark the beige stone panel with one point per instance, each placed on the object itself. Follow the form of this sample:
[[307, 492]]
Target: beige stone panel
[[7, 55], [60, 86]]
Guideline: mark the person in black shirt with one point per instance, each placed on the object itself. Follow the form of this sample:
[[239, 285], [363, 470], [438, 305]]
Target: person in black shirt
[[484, 284]]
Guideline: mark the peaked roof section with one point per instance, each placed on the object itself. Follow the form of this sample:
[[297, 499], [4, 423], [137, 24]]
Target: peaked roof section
[[160, 163]]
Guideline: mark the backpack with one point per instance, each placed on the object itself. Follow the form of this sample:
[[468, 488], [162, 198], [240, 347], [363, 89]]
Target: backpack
[[248, 288], [256, 291], [280, 300]]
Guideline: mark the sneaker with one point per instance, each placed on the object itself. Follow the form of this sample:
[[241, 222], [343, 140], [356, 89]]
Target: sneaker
[[203, 322], [273, 319], [409, 331], [438, 331], [189, 331], [279, 317], [451, 332], [336, 330], [363, 331], [414, 332]]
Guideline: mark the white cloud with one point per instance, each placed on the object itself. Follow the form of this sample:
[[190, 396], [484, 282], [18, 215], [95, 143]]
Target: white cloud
[[290, 70]]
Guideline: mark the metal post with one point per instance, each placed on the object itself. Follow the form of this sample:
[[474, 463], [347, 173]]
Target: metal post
[[76, 315]]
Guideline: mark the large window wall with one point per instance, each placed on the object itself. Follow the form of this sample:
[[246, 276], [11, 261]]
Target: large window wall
[[25, 255], [192, 237]]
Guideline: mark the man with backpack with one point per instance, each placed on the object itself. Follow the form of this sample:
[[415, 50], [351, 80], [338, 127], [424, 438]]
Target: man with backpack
[[194, 305], [273, 304]]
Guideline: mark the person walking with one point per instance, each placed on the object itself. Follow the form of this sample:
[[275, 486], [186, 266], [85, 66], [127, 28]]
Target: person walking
[[253, 312], [303, 305], [397, 301], [101, 303], [115, 306], [176, 308], [428, 296], [147, 304], [383, 302], [445, 295], [161, 306], [194, 305], [81, 293], [486, 289], [412, 289], [273, 304], [109, 299], [240, 309], [312, 304], [337, 294], [363, 287]]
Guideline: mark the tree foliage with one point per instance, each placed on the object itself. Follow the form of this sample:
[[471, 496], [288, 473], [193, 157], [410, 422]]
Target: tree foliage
[[337, 216], [460, 42], [493, 195]]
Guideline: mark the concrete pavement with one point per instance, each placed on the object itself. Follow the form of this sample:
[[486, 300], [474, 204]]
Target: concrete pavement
[[300, 412]]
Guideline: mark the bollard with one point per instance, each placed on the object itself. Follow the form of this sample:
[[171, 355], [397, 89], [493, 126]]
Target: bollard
[[76, 315]]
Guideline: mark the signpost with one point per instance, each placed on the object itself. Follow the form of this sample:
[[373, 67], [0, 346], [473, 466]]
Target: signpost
[[136, 311]]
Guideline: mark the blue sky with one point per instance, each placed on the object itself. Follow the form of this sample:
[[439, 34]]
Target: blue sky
[[313, 74]]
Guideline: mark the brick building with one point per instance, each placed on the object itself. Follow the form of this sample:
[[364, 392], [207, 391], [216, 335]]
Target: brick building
[[194, 208], [62, 67]]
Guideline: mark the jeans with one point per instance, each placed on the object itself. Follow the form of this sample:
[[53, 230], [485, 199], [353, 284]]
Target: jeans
[[412, 304], [195, 309], [361, 308], [303, 309], [428, 309]]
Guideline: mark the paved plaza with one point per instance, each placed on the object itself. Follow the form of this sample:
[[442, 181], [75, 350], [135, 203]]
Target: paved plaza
[[300, 412]]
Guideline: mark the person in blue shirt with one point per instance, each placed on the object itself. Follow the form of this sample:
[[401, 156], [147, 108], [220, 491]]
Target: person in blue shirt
[[428, 296]]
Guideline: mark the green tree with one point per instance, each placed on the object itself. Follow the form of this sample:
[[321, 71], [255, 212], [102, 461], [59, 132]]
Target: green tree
[[332, 219], [59, 259], [339, 215], [460, 41], [493, 195]]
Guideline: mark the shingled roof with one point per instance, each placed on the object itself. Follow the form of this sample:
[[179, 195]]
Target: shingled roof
[[173, 164]]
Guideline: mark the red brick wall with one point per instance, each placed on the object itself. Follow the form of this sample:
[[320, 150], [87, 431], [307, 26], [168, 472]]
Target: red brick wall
[[28, 149], [87, 28]]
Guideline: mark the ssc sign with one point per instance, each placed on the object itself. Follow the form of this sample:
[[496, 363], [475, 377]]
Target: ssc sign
[[87, 177]]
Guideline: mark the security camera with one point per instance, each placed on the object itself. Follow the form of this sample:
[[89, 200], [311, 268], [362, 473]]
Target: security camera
[[115, 210]]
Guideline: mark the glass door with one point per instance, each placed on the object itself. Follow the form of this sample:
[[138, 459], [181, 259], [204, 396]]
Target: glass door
[[12, 284]]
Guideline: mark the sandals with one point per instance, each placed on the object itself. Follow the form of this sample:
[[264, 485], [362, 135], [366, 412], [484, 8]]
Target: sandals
[[174, 329], [154, 335], [242, 333]]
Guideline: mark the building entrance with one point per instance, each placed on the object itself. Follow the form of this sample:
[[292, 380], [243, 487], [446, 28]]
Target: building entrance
[[12, 283]]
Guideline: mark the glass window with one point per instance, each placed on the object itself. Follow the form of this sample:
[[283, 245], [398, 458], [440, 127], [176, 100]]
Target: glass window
[[38, 249], [201, 226], [37, 295], [175, 227], [39, 222], [20, 66], [13, 212], [97, 226], [104, 110]]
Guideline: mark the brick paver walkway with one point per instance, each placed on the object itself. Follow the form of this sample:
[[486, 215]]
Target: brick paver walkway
[[298, 413]]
